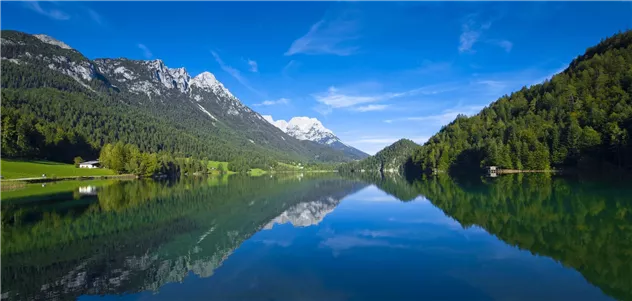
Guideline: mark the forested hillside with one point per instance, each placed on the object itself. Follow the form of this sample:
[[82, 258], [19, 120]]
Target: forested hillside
[[582, 118], [393, 158], [58, 104]]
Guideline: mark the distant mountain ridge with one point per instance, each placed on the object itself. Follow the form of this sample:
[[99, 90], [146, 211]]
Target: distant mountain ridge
[[305, 128], [392, 159], [141, 102]]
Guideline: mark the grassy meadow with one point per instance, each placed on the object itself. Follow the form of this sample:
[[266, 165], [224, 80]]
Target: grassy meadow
[[15, 169]]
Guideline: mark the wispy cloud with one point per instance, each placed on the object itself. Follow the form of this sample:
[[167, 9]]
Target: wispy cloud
[[328, 36], [336, 98], [52, 13], [504, 44], [280, 101], [468, 38], [235, 73], [472, 32], [253, 66], [96, 17], [146, 52], [290, 66], [369, 108], [445, 117]]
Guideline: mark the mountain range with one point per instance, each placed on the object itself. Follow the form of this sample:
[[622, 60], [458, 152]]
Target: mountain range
[[145, 103], [305, 128]]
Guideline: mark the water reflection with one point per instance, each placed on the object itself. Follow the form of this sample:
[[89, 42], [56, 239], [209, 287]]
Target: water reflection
[[315, 237], [584, 225], [138, 235]]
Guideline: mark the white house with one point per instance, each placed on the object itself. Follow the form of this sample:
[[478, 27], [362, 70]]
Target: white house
[[90, 164], [88, 190]]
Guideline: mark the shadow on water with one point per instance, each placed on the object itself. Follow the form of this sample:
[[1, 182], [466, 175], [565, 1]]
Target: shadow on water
[[582, 223], [136, 236]]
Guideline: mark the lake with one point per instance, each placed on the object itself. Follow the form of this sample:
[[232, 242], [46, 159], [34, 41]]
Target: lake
[[319, 237]]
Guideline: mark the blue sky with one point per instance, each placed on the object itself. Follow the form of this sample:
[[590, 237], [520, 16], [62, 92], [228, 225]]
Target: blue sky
[[371, 72]]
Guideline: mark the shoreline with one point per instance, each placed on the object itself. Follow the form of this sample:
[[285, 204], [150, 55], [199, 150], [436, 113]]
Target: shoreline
[[55, 179], [511, 171], [129, 176]]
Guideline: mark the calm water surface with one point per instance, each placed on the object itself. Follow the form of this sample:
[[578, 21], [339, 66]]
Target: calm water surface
[[314, 237]]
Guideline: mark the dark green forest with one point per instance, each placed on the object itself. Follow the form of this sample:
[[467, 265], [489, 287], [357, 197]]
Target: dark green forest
[[581, 118], [142, 220], [585, 225], [395, 157], [47, 114]]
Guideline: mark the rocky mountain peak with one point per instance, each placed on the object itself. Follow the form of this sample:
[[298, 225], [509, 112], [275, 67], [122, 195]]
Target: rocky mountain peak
[[305, 128], [207, 81], [305, 214], [49, 40]]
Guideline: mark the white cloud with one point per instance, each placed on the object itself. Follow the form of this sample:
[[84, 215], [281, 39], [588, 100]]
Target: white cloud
[[253, 66], [234, 73], [471, 33], [467, 39], [327, 36], [54, 14], [323, 109], [445, 117], [369, 108], [290, 66], [503, 44], [335, 98], [146, 52], [96, 17], [280, 101]]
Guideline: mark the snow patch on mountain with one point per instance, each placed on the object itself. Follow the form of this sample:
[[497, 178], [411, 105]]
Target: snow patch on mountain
[[207, 112], [49, 40], [305, 214], [305, 128]]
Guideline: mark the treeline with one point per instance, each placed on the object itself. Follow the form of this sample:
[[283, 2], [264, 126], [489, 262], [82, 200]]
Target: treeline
[[103, 110], [54, 125], [395, 157], [580, 118], [26, 136], [127, 158], [585, 225]]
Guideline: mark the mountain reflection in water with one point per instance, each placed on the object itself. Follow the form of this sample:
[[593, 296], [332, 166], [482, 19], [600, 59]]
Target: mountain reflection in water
[[316, 237]]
